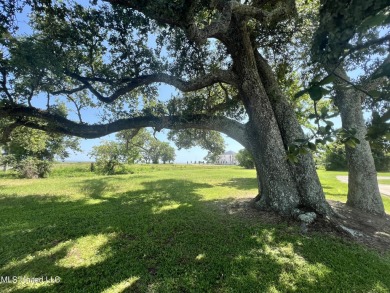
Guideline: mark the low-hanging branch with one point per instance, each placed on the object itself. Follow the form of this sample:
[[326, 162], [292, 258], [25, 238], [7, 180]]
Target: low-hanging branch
[[225, 76], [51, 122]]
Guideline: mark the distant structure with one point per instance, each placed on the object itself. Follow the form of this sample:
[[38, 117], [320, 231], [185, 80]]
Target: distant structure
[[228, 158]]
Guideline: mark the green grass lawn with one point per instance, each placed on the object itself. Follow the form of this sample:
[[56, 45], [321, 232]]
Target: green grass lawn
[[336, 190], [162, 229], [384, 181]]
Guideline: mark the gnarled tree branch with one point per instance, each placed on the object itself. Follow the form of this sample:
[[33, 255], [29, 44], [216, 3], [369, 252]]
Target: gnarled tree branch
[[219, 26], [225, 76], [69, 91], [282, 11], [55, 123]]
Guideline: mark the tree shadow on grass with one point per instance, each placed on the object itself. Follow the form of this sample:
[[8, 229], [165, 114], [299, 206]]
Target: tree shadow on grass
[[163, 238], [241, 183], [333, 191]]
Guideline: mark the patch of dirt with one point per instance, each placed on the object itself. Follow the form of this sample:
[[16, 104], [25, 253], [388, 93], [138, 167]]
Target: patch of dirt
[[370, 230]]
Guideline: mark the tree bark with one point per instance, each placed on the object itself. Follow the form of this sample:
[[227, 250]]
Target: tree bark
[[284, 188], [363, 190], [278, 188], [304, 172]]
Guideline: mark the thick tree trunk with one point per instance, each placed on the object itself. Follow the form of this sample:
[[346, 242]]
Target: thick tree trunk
[[278, 188], [286, 189], [363, 191], [304, 172]]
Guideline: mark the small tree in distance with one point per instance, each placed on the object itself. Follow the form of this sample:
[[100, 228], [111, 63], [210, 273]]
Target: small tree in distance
[[150, 149], [245, 159], [167, 153], [109, 155]]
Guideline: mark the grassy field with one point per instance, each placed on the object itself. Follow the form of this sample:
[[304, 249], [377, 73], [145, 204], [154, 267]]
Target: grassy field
[[335, 190], [164, 229]]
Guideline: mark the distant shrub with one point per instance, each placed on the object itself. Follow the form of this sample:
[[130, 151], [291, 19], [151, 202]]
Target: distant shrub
[[245, 159], [382, 161], [335, 158], [31, 168]]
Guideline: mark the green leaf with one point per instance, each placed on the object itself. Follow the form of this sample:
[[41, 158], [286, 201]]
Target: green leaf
[[350, 143], [328, 138], [300, 140], [372, 21], [312, 146], [303, 151], [374, 93], [330, 123], [327, 80], [324, 91], [292, 158], [355, 140], [315, 93], [312, 116], [300, 94], [324, 111]]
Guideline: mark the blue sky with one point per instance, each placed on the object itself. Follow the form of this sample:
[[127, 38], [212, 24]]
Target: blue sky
[[165, 92], [89, 116], [182, 156]]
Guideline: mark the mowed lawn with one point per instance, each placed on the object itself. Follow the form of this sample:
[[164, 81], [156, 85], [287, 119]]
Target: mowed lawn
[[165, 229]]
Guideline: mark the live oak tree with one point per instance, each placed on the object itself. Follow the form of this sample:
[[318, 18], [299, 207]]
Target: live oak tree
[[347, 34], [113, 56]]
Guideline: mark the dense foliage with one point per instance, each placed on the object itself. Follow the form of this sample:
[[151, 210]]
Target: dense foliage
[[233, 64], [32, 151], [131, 147], [334, 158], [245, 159]]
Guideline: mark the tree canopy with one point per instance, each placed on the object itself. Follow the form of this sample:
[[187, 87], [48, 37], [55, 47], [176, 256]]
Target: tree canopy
[[230, 61]]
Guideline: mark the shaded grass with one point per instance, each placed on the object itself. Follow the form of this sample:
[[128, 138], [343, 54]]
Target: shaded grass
[[163, 230]]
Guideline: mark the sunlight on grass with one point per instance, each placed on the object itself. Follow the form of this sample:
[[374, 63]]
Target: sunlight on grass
[[36, 255], [166, 229], [30, 282], [294, 269], [92, 201], [336, 190], [200, 256], [168, 205], [122, 286], [379, 287], [86, 251]]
